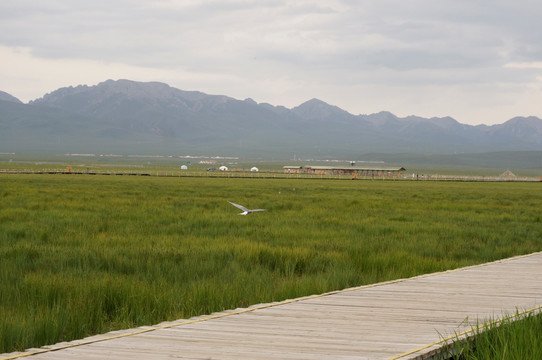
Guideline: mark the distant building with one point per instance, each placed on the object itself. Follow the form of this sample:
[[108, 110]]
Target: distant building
[[293, 169], [353, 170], [184, 167], [223, 168], [254, 169]]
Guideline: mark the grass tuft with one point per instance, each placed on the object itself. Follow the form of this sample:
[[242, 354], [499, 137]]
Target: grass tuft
[[514, 338]]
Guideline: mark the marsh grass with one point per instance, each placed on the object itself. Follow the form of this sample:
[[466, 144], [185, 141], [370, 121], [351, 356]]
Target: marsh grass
[[514, 338], [81, 255]]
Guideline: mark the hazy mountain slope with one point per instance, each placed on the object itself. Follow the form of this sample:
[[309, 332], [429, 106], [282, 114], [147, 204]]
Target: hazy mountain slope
[[131, 116], [4, 96]]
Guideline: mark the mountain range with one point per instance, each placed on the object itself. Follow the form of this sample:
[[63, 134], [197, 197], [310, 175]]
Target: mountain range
[[130, 117]]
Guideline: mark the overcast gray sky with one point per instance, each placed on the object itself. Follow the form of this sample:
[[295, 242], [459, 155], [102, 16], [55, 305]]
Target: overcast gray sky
[[477, 61]]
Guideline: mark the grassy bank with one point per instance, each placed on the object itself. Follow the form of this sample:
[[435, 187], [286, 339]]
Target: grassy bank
[[512, 339], [86, 254]]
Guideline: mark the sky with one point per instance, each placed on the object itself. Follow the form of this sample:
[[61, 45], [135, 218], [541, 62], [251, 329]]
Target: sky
[[477, 61]]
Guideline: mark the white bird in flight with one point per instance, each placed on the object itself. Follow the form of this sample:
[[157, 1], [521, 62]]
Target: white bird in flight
[[245, 210]]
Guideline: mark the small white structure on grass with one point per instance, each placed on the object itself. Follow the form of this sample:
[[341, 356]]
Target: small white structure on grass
[[508, 175], [184, 167], [254, 169], [223, 168]]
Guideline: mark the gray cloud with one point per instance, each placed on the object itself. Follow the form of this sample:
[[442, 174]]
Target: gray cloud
[[285, 51]]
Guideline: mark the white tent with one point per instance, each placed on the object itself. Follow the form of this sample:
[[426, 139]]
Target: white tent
[[223, 168], [508, 175], [254, 169], [184, 167]]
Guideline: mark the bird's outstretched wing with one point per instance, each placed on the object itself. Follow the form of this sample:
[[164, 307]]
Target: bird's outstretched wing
[[239, 206]]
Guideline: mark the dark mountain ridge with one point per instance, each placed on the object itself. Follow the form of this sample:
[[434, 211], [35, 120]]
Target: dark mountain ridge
[[128, 116]]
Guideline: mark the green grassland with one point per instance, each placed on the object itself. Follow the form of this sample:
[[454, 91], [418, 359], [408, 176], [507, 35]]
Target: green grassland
[[83, 254]]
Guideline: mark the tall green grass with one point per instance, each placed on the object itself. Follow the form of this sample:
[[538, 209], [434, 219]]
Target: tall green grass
[[84, 254], [514, 338]]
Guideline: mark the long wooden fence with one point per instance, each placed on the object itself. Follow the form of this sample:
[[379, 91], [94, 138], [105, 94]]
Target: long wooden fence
[[270, 175]]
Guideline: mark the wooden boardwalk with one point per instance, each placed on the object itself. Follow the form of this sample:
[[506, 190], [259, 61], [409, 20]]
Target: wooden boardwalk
[[402, 319]]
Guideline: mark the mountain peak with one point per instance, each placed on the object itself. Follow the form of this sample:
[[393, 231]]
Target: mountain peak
[[250, 101], [120, 90], [320, 110], [315, 101], [526, 125]]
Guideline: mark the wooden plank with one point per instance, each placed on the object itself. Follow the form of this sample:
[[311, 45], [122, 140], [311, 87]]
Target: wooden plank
[[400, 319]]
